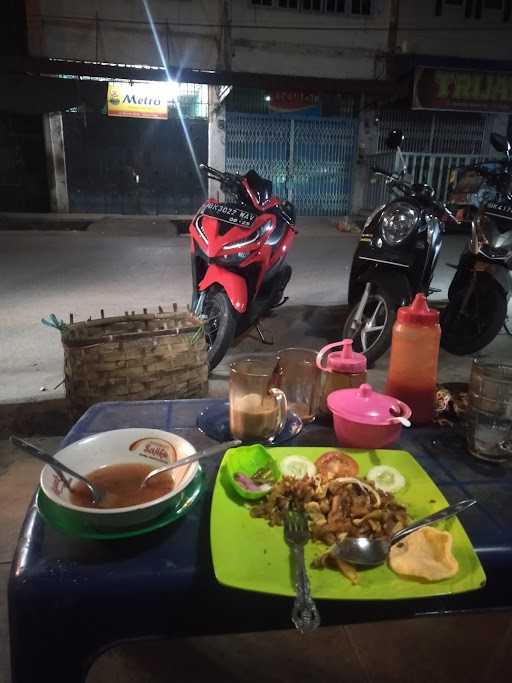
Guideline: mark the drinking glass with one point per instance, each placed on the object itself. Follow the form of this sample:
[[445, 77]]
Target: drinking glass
[[299, 378], [489, 416], [257, 407]]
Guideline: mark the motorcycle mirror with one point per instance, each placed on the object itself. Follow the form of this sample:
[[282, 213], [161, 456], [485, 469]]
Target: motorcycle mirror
[[395, 139], [500, 143]]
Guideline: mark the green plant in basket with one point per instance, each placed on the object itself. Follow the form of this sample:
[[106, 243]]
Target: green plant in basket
[[251, 471]]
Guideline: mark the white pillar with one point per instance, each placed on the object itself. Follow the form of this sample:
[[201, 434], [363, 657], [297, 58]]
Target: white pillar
[[56, 161], [216, 138]]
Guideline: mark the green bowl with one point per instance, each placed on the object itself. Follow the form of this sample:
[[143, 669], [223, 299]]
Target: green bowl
[[248, 460]]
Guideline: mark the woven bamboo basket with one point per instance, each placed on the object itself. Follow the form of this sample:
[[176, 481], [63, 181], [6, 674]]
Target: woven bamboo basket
[[134, 357]]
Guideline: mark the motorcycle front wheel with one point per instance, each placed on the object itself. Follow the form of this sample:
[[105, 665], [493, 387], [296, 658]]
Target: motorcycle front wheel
[[471, 321], [219, 325], [373, 335]]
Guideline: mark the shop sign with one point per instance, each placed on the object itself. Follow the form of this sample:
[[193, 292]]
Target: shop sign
[[462, 90], [286, 102], [138, 100]]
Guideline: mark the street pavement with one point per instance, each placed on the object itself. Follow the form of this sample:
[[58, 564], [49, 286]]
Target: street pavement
[[43, 272]]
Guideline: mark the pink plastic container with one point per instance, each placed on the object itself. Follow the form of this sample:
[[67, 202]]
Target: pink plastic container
[[363, 418]]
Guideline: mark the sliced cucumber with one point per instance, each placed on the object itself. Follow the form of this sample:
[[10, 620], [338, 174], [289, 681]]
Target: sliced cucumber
[[297, 466], [387, 479]]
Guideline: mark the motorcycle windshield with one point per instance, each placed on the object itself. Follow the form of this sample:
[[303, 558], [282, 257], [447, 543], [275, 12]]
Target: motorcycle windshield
[[260, 187]]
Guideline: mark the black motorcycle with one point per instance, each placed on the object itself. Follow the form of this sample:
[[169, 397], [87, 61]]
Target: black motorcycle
[[395, 258], [481, 288]]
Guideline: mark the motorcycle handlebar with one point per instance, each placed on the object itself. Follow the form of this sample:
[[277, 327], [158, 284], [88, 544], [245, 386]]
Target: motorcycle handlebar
[[211, 171], [381, 171], [221, 176], [392, 180], [444, 212]]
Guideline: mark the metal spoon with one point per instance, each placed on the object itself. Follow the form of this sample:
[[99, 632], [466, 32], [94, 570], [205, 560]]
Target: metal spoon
[[97, 492], [373, 551], [401, 420], [397, 416], [218, 448]]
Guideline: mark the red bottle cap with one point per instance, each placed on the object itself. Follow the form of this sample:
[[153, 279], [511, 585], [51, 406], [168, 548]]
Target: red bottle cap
[[418, 313]]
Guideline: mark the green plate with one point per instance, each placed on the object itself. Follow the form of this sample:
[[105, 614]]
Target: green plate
[[251, 555], [72, 523]]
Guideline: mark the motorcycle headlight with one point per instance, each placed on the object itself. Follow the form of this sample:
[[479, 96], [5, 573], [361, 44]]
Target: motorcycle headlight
[[232, 259], [397, 222], [266, 227]]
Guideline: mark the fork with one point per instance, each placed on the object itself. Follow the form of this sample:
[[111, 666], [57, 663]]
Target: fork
[[305, 616]]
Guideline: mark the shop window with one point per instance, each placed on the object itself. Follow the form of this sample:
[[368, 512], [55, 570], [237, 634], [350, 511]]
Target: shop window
[[477, 9], [347, 7], [312, 5], [447, 3], [335, 6], [361, 7]]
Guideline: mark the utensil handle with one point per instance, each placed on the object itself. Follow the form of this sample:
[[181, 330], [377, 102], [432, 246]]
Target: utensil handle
[[446, 512], [48, 459], [305, 614], [218, 448]]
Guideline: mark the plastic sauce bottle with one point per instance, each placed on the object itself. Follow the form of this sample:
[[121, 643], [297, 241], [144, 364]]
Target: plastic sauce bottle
[[412, 374], [343, 369]]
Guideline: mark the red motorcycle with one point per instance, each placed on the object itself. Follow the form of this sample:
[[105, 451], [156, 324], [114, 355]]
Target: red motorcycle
[[238, 250]]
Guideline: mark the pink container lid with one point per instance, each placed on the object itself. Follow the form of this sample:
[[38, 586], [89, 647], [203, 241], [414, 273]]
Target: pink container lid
[[345, 361], [366, 406]]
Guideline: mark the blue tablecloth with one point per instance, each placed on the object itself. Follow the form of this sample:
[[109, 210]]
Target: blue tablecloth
[[70, 599]]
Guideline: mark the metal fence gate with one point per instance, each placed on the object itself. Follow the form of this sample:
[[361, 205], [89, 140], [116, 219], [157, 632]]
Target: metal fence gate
[[309, 159], [441, 132], [432, 169], [434, 143]]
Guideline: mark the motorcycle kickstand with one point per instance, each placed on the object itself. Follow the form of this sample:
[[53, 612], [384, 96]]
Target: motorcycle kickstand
[[263, 340], [281, 303]]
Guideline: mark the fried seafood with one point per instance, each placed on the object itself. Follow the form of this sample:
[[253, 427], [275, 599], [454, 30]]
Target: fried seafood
[[338, 504], [344, 506]]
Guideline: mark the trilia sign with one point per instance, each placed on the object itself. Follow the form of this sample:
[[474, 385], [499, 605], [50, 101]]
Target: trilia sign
[[462, 90]]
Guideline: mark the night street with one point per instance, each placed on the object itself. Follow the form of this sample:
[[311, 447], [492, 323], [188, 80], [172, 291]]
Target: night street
[[190, 193], [63, 272]]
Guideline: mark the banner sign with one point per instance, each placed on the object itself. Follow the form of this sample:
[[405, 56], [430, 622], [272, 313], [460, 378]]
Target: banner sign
[[284, 102], [139, 100], [462, 90]]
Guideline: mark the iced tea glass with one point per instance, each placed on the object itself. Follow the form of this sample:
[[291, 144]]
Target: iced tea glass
[[489, 415], [299, 378], [257, 406]]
